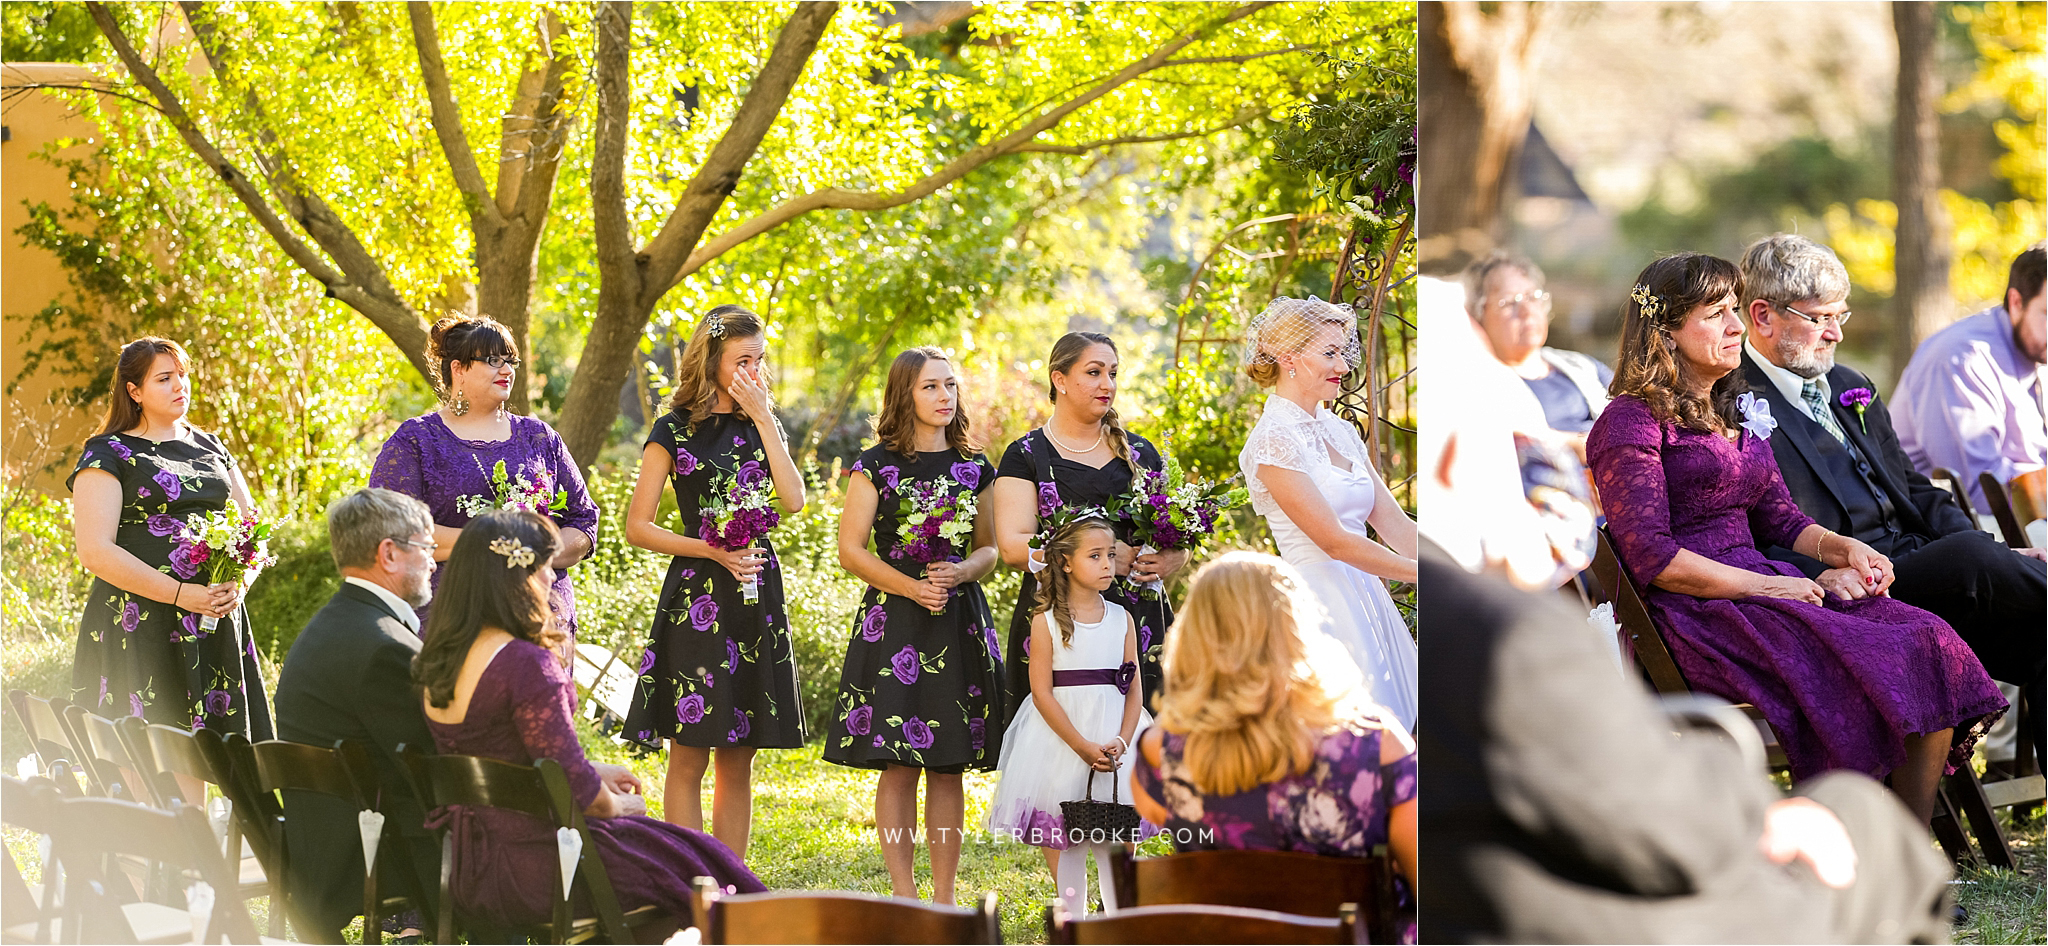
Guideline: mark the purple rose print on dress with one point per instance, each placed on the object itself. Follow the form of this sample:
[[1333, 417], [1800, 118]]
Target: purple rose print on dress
[[879, 741], [890, 476], [686, 462], [750, 474], [739, 441], [1144, 637], [218, 702], [977, 734], [131, 614], [703, 612], [871, 624], [905, 664], [143, 492], [121, 450], [161, 525], [740, 727], [646, 661], [190, 622], [172, 488], [973, 690], [690, 709], [135, 704], [1048, 499], [917, 734], [857, 722], [103, 692], [995, 647], [198, 723], [967, 474], [732, 656]]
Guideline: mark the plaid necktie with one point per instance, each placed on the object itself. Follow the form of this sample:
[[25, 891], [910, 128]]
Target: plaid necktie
[[1817, 406]]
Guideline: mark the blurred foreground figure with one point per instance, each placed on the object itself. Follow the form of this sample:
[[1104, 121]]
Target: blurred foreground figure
[[1561, 807]]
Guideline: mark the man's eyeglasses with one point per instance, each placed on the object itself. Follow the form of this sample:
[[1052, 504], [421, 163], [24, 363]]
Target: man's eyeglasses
[[1835, 321], [424, 546], [1535, 300], [500, 361]]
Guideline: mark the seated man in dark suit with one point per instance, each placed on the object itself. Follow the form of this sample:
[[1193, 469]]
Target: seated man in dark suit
[[1845, 468], [349, 676]]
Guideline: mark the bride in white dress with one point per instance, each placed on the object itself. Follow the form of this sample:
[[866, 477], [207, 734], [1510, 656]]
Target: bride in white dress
[[1311, 479]]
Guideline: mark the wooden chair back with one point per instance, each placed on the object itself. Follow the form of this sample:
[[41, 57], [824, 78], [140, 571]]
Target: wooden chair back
[[836, 917], [1645, 642], [27, 808], [1195, 923], [1287, 881], [2015, 534], [89, 832], [1948, 479], [103, 757], [541, 791], [48, 735], [344, 771]]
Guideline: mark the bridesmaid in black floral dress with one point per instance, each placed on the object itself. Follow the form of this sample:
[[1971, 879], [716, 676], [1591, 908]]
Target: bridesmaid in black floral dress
[[1082, 457], [143, 649], [718, 677], [921, 688]]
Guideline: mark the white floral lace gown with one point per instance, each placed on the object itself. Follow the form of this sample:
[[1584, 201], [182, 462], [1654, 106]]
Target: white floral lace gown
[[1360, 613]]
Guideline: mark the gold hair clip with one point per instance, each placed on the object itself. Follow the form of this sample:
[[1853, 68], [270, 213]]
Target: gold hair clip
[[1647, 301], [516, 554]]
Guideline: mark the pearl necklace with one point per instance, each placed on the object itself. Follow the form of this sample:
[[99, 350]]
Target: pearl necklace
[[1070, 451]]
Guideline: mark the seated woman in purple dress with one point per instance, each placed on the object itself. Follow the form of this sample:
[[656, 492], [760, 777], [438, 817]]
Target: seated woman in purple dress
[[448, 458], [1264, 739], [495, 687], [1691, 490]]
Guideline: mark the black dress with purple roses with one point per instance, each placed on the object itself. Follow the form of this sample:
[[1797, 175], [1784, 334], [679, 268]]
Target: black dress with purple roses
[[138, 657], [919, 689], [1060, 481], [718, 671]]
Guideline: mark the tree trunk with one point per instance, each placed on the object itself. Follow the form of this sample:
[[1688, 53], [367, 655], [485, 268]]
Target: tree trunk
[[1920, 303], [1476, 83]]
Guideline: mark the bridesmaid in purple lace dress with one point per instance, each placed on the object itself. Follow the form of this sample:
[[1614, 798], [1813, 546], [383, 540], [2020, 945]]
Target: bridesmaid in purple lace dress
[[1691, 490], [1265, 739], [495, 687], [446, 458]]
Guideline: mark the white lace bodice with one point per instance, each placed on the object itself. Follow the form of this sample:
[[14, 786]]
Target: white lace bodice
[[1289, 438]]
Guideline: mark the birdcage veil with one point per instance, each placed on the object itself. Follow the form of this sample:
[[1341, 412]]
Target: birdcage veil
[[1291, 325]]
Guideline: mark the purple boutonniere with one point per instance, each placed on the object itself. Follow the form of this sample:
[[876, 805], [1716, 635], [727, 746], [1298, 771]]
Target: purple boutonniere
[[1858, 398]]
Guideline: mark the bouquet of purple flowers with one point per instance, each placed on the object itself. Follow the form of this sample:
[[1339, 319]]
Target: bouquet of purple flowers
[[226, 546], [936, 522], [1168, 511], [740, 511], [536, 493]]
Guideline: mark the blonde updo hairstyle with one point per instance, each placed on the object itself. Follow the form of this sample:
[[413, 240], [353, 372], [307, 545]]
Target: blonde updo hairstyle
[[1287, 326], [1239, 681]]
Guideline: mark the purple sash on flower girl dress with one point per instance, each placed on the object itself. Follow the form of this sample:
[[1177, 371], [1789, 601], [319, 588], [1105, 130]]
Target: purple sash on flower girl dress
[[1120, 677]]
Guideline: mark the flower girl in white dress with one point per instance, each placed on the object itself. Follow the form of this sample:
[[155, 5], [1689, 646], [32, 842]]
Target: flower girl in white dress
[[1083, 714], [1311, 479]]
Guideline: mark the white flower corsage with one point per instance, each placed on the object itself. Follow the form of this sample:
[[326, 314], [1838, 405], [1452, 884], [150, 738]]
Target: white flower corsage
[[1756, 414]]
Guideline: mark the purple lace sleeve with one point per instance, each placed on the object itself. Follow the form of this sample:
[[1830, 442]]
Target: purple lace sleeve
[[545, 717], [1625, 449], [582, 512], [398, 464], [1775, 519]]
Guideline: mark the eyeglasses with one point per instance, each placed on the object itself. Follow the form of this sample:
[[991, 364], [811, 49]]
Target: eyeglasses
[[1535, 300], [1824, 321], [500, 361], [425, 546]]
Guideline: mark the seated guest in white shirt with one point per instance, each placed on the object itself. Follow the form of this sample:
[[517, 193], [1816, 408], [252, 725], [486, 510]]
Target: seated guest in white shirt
[[1971, 399], [1504, 294], [1844, 468], [349, 676]]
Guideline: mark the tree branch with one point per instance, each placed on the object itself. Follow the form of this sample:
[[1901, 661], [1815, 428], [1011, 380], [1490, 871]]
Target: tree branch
[[446, 117], [715, 179], [530, 142], [382, 308], [1247, 57], [612, 229], [840, 199], [1243, 116]]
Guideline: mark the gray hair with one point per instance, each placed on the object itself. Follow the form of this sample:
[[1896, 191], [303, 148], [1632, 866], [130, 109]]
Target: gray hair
[[1786, 268], [1475, 277], [360, 522]]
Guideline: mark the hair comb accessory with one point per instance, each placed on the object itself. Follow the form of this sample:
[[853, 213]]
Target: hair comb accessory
[[517, 555], [715, 327], [1647, 301]]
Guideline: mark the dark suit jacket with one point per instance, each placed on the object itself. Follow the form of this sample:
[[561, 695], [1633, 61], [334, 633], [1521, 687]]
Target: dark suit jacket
[[349, 676], [1923, 508]]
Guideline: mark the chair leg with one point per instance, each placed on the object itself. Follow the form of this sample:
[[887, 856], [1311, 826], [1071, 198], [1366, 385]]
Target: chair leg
[[1968, 792], [1948, 831]]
